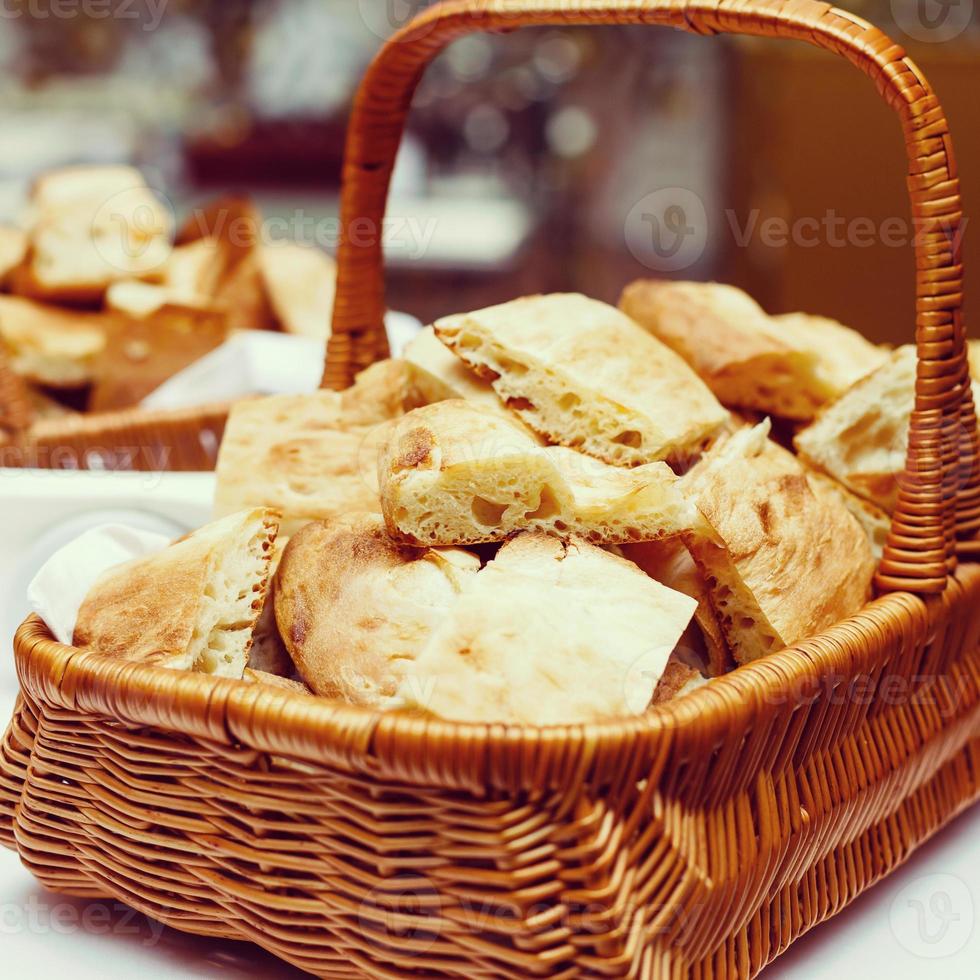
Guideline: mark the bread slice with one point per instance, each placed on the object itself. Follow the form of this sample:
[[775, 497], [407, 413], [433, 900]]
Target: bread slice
[[92, 226], [549, 632], [354, 608], [861, 439], [191, 277], [300, 282], [787, 365], [788, 562], [682, 675], [875, 522], [274, 680], [452, 473], [670, 562], [439, 374], [192, 606], [141, 353], [49, 345], [312, 457], [13, 249], [586, 376]]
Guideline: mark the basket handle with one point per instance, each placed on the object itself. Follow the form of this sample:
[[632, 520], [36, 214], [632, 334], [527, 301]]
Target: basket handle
[[939, 498]]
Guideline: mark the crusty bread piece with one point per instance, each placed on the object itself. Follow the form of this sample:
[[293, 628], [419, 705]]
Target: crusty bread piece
[[439, 374], [13, 249], [312, 457], [682, 674], [252, 676], [50, 345], [268, 653], [860, 440], [141, 353], [788, 365], [790, 562], [300, 282], [354, 608], [875, 522], [671, 563], [843, 356], [191, 606], [549, 632], [586, 376], [973, 352], [92, 226], [452, 473], [191, 277]]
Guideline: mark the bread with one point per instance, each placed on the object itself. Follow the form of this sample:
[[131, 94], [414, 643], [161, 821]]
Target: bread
[[354, 608], [49, 345], [875, 522], [549, 632], [788, 562], [787, 365], [268, 653], [973, 353], [92, 226], [274, 680], [312, 457], [671, 564], [192, 277], [13, 249], [439, 374], [141, 353], [681, 676], [191, 606], [586, 376], [452, 473], [861, 439], [231, 228], [300, 282]]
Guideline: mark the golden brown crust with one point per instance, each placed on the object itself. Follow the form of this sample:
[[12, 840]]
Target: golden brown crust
[[790, 562], [191, 606], [252, 676], [586, 376], [312, 457], [787, 365], [50, 345], [353, 606]]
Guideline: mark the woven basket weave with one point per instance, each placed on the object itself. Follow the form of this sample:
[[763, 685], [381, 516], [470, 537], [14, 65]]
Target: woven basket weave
[[697, 841]]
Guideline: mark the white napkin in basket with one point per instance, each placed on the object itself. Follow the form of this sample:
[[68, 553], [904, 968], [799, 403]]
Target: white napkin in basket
[[58, 590], [260, 362]]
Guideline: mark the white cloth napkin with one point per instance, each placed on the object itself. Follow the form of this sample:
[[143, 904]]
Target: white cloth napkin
[[58, 590], [261, 362]]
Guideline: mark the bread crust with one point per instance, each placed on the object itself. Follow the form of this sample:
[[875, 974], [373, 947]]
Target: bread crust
[[550, 632], [788, 562], [192, 606], [787, 365], [452, 473], [354, 607], [585, 376]]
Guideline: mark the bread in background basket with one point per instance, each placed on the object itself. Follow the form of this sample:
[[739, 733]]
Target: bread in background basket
[[109, 302], [439, 558]]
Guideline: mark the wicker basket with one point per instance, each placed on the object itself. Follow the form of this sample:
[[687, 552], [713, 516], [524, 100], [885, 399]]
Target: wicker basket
[[697, 841]]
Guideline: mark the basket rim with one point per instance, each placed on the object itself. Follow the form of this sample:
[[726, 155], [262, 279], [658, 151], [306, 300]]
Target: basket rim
[[315, 730]]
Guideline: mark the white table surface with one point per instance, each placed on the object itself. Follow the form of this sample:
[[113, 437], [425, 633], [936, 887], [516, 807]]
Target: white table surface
[[921, 920]]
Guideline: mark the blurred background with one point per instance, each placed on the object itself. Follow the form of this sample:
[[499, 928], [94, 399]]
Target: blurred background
[[539, 160]]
